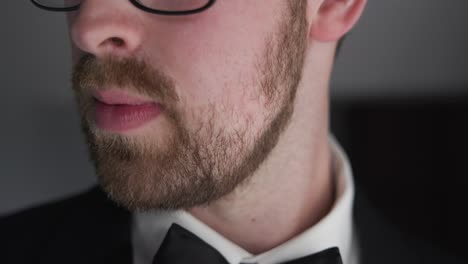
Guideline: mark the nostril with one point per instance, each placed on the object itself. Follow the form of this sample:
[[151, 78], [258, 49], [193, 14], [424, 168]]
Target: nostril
[[117, 41]]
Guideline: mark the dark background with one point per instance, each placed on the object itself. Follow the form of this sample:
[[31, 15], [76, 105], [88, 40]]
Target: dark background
[[399, 107]]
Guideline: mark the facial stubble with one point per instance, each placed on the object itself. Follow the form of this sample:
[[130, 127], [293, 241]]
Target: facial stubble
[[190, 168]]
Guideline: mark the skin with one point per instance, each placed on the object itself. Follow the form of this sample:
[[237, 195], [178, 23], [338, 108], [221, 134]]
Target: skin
[[292, 189]]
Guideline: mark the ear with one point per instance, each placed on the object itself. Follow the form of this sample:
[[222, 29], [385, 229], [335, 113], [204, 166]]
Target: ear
[[334, 18]]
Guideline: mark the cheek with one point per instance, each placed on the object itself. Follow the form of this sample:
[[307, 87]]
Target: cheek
[[224, 84], [206, 72], [215, 68]]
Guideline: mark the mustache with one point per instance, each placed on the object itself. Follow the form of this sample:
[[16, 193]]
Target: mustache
[[130, 74]]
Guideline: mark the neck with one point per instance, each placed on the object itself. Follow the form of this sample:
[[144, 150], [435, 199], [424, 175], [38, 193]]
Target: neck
[[291, 191]]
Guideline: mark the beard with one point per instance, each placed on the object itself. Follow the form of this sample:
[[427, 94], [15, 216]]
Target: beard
[[189, 167]]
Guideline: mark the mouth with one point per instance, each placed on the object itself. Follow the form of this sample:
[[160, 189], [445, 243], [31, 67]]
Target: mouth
[[119, 111]]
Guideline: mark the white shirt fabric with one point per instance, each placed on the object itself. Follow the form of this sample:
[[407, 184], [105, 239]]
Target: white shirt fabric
[[334, 230]]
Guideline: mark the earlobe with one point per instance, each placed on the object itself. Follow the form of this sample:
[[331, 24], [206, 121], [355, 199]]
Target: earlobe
[[335, 18]]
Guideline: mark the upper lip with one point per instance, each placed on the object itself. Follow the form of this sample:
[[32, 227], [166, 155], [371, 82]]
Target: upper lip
[[116, 97]]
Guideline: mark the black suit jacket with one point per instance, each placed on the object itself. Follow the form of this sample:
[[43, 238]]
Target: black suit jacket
[[89, 228]]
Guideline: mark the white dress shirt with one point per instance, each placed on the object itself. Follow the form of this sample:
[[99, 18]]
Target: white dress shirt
[[334, 230]]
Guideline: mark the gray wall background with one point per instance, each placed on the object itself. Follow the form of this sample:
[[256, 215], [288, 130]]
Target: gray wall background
[[400, 48]]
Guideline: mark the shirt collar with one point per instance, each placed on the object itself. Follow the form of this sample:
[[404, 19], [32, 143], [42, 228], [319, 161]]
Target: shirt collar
[[334, 230]]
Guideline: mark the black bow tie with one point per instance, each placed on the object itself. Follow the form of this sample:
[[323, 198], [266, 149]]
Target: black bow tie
[[180, 246]]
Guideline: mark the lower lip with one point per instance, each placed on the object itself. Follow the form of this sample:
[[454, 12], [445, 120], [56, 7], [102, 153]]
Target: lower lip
[[121, 118]]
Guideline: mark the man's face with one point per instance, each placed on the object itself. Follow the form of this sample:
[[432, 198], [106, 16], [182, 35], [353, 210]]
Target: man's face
[[221, 86]]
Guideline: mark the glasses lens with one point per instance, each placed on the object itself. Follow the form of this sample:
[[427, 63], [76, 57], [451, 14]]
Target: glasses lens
[[58, 3], [174, 5]]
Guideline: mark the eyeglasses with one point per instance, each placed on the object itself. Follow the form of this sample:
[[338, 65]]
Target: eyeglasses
[[161, 7]]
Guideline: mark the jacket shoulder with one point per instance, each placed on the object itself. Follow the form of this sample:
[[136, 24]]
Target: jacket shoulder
[[382, 242], [30, 222], [67, 223], [48, 210]]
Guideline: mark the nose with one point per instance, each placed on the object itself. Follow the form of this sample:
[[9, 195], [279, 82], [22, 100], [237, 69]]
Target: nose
[[106, 28]]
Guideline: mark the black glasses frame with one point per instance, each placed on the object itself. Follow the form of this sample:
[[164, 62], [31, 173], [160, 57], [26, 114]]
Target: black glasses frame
[[138, 5]]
